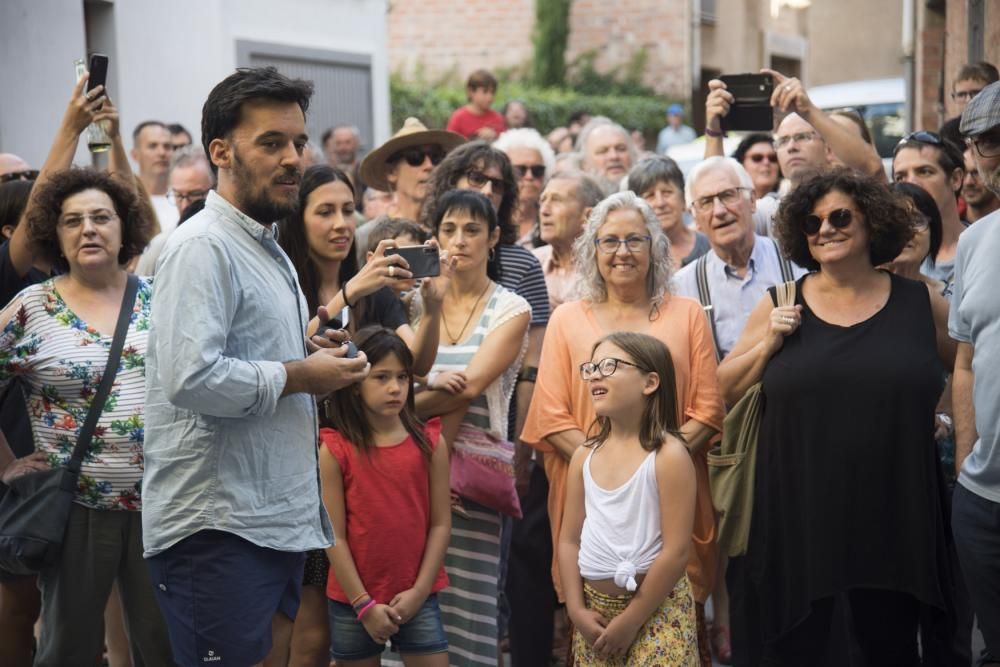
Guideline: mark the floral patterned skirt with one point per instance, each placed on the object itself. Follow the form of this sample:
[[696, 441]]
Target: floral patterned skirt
[[668, 638]]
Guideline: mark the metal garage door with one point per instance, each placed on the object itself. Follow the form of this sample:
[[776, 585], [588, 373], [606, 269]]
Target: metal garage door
[[343, 83]]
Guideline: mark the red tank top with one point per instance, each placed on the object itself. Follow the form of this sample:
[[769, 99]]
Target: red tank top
[[387, 500]]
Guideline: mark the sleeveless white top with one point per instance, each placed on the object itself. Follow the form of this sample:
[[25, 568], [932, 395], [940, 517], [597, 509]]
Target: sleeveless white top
[[621, 532]]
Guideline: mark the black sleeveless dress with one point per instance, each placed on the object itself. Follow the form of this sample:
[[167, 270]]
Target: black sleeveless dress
[[847, 492]]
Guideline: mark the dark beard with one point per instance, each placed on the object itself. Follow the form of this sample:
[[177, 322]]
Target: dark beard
[[257, 204]]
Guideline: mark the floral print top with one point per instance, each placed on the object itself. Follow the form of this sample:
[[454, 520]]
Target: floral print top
[[60, 360]]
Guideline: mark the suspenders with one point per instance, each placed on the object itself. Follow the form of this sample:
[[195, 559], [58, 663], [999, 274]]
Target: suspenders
[[705, 296]]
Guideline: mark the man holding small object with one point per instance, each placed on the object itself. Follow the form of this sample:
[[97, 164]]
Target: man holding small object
[[231, 478]]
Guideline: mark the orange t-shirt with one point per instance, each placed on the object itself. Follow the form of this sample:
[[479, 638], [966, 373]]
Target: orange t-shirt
[[562, 402]]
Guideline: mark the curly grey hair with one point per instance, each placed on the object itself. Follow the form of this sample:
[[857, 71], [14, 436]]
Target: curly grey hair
[[527, 137], [592, 286]]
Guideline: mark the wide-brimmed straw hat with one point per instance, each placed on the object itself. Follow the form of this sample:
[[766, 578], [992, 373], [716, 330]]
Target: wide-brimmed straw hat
[[413, 133]]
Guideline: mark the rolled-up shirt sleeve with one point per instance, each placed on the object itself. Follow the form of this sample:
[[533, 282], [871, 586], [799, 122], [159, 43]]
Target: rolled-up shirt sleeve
[[194, 303]]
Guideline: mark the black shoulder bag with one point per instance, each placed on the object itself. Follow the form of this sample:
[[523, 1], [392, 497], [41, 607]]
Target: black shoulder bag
[[35, 510]]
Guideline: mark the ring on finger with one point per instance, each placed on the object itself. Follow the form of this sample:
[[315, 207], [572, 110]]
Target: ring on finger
[[392, 270]]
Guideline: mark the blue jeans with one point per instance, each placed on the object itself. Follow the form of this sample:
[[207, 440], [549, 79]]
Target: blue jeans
[[422, 634], [975, 522]]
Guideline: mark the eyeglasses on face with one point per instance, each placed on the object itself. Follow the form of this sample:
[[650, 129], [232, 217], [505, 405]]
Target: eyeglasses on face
[[24, 175], [965, 95], [797, 138], [760, 157], [921, 222], [478, 179], [610, 244], [729, 198], [415, 155], [173, 196], [537, 171], [99, 218], [986, 144], [604, 368], [838, 220]]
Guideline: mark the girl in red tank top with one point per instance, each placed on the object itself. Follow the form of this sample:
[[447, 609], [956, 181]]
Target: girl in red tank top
[[385, 487]]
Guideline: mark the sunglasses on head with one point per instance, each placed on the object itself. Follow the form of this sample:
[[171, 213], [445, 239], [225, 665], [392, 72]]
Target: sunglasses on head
[[415, 155], [838, 220], [924, 137], [478, 179], [760, 157], [537, 170], [25, 175]]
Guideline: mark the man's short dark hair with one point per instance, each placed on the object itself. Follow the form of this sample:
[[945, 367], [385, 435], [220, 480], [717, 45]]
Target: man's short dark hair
[[981, 71], [221, 113], [143, 125], [887, 217], [177, 128], [949, 155]]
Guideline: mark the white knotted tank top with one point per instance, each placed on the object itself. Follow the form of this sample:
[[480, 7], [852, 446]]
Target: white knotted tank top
[[621, 532]]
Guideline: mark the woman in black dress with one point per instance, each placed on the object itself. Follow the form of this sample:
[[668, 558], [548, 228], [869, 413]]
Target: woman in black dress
[[848, 540]]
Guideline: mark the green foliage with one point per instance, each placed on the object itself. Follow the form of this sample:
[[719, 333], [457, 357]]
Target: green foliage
[[549, 107], [550, 37], [584, 77]]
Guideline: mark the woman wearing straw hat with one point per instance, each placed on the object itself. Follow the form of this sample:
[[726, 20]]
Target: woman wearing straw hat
[[403, 165]]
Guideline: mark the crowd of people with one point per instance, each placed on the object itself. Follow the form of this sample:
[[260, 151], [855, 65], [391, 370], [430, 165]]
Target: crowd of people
[[315, 450]]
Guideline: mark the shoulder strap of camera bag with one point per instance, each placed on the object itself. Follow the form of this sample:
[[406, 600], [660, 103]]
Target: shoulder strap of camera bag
[[108, 378], [705, 297]]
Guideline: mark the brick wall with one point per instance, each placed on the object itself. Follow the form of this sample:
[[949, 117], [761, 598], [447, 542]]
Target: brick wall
[[929, 70], [442, 37]]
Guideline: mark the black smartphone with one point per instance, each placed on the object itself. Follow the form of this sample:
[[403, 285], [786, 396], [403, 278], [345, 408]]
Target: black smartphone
[[751, 109], [98, 71], [424, 260], [335, 325]]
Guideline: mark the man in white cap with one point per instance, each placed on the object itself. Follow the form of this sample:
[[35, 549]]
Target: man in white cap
[[404, 164], [972, 321]]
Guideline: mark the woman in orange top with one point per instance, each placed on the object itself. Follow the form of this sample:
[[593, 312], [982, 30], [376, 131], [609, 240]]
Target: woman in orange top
[[623, 259]]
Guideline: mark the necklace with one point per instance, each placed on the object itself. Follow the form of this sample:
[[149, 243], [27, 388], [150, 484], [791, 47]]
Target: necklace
[[454, 339]]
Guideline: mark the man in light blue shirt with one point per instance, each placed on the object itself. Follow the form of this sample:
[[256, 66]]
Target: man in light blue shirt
[[741, 264], [231, 472], [676, 132]]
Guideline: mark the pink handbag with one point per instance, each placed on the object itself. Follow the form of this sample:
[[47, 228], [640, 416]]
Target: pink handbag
[[482, 470]]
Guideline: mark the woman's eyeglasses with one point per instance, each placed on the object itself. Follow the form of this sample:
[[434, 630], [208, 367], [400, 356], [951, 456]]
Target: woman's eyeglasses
[[537, 171], [760, 157], [604, 368], [838, 220], [416, 155], [478, 179], [610, 244]]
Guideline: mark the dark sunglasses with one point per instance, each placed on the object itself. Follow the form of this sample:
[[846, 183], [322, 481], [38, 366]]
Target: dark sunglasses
[[838, 220], [26, 175], [478, 179], [537, 170], [416, 155], [924, 137], [760, 157]]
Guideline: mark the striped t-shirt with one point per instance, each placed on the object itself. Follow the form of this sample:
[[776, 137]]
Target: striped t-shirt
[[60, 361], [521, 273]]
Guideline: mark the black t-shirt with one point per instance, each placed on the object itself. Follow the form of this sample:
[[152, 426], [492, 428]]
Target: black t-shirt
[[382, 308], [14, 420]]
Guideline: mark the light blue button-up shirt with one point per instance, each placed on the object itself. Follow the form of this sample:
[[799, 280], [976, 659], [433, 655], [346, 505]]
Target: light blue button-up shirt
[[734, 297], [224, 451]]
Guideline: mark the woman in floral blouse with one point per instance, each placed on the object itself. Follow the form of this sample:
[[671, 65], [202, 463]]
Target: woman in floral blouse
[[54, 339]]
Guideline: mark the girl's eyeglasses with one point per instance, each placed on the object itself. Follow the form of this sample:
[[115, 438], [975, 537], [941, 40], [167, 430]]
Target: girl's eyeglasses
[[604, 368]]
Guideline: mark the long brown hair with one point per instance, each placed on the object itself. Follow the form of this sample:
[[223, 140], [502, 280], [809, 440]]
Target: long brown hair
[[344, 410], [659, 415]]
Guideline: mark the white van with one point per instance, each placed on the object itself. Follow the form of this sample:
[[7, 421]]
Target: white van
[[880, 101]]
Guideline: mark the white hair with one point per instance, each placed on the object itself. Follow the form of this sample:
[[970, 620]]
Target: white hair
[[527, 137], [591, 283], [714, 163], [191, 155], [601, 121]]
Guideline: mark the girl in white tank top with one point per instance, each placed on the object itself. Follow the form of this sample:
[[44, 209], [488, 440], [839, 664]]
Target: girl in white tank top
[[630, 499]]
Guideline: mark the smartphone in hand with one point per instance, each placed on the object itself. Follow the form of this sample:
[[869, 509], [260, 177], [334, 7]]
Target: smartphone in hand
[[751, 110], [424, 260]]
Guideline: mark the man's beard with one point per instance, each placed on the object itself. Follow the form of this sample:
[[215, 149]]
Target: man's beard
[[257, 204], [991, 179]]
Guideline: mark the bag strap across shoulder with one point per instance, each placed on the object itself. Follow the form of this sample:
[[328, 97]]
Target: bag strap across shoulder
[[705, 297], [108, 378]]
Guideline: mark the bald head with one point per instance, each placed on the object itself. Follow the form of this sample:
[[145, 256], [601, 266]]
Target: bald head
[[10, 163]]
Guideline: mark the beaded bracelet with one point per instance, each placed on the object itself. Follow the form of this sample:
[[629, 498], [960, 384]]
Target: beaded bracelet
[[364, 609]]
